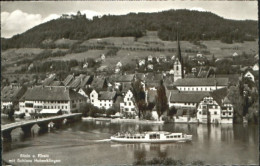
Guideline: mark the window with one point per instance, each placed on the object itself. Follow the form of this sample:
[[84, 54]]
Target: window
[[92, 101], [223, 113], [200, 112], [215, 112], [230, 113], [177, 68]]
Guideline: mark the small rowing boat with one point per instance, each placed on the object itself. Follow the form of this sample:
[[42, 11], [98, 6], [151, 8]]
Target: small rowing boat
[[151, 137]]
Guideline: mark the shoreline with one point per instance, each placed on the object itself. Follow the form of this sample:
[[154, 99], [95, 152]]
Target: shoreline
[[118, 120]]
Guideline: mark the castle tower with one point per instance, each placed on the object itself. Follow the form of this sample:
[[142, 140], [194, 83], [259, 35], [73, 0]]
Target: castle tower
[[178, 64]]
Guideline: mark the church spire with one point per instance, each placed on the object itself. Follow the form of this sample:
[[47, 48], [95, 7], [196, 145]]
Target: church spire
[[179, 53]]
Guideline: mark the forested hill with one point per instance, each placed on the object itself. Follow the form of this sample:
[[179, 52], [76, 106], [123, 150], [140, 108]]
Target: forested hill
[[193, 25]]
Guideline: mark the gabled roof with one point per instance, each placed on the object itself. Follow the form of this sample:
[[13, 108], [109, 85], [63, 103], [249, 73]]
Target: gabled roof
[[202, 82], [186, 97], [219, 95], [98, 83], [106, 95], [68, 79], [51, 94]]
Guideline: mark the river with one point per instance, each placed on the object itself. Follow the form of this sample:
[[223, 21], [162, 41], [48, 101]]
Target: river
[[87, 143]]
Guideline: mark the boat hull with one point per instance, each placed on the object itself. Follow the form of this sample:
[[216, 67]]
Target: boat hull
[[115, 139]]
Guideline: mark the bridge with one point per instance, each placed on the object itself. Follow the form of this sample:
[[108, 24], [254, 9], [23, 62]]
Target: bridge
[[42, 124]]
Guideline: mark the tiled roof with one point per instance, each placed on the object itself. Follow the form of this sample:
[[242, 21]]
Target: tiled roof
[[106, 95], [11, 93], [140, 76], [232, 78], [202, 82], [98, 83], [68, 79], [51, 94], [187, 97]]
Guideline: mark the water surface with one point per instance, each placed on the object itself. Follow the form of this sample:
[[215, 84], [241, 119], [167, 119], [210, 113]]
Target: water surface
[[87, 143]]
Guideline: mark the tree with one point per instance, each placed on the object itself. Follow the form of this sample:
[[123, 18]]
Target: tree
[[139, 97], [237, 100], [161, 100]]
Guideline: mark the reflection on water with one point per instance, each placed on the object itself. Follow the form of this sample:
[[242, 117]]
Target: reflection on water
[[89, 143]]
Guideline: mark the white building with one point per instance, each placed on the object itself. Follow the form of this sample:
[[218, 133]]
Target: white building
[[103, 99], [215, 108], [128, 105], [141, 62], [150, 58], [249, 75], [37, 98], [256, 67], [201, 84]]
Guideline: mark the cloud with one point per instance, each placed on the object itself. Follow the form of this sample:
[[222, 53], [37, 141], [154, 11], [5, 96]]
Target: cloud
[[18, 21], [198, 9]]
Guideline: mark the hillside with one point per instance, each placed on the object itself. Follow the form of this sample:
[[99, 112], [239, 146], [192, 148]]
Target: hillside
[[193, 25]]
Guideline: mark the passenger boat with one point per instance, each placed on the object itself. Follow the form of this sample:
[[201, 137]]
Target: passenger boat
[[151, 137]]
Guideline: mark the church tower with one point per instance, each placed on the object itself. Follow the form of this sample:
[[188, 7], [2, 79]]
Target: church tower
[[178, 64]]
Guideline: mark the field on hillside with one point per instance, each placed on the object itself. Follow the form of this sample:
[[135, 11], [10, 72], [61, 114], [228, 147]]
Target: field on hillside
[[80, 56], [221, 50]]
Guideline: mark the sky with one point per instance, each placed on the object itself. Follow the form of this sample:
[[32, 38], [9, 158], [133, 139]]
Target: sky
[[19, 16]]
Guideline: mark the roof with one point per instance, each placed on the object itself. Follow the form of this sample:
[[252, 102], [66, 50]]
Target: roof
[[98, 83], [125, 78], [68, 79], [49, 81], [50, 111], [202, 82], [126, 86], [186, 97], [51, 94], [140, 76], [232, 78], [57, 83], [219, 95], [106, 95], [12, 93]]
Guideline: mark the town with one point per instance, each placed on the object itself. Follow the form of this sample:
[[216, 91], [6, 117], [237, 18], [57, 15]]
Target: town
[[175, 88]]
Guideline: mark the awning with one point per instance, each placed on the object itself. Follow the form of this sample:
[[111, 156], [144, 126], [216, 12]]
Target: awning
[[50, 111]]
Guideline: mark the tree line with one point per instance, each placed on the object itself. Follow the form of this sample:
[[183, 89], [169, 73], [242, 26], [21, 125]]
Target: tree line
[[193, 25]]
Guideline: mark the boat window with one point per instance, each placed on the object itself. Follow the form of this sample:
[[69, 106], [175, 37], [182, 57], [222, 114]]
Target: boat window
[[127, 137], [142, 136], [138, 137], [179, 136], [131, 137], [167, 136], [172, 136], [175, 136]]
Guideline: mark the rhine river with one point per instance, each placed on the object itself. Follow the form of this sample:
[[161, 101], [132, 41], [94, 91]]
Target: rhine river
[[87, 143]]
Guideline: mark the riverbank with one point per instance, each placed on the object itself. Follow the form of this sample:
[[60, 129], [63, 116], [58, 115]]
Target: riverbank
[[118, 120]]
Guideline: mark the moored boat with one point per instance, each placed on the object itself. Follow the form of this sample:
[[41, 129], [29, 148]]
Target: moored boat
[[151, 137]]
